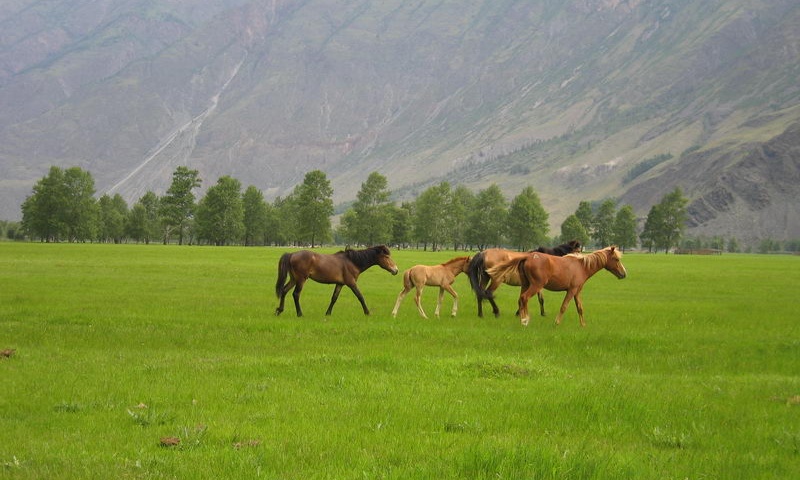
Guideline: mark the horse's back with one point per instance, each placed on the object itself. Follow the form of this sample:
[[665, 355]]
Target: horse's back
[[553, 272]]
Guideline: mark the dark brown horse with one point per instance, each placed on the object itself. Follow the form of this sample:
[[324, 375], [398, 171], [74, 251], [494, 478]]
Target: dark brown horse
[[488, 258], [341, 268], [569, 273]]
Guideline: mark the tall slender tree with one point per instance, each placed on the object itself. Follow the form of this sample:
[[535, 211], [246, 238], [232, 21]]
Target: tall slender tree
[[255, 216], [527, 220], [369, 220], [624, 234], [178, 205], [314, 208], [431, 222], [604, 223]]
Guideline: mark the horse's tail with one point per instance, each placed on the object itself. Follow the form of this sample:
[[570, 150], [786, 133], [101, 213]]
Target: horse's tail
[[524, 280], [283, 271], [407, 283], [500, 272], [476, 272]]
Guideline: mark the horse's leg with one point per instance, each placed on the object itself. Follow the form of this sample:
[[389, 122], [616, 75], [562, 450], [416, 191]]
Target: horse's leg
[[479, 297], [418, 301], [284, 290], [541, 303], [358, 295], [400, 298], [524, 296], [567, 298], [296, 295], [452, 292], [439, 301], [490, 295], [579, 306], [334, 297]]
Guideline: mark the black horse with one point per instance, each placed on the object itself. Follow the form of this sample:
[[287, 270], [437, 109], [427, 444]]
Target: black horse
[[573, 246]]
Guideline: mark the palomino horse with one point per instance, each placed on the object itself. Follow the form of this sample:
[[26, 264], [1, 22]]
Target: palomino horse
[[341, 268], [560, 274], [488, 258], [442, 276]]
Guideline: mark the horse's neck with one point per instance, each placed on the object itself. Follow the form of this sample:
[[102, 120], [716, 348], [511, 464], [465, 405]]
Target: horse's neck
[[594, 262], [455, 267]]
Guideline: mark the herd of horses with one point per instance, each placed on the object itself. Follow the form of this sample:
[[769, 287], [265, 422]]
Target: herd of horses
[[563, 269]]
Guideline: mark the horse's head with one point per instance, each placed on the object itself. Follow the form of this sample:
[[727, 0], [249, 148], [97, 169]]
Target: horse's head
[[614, 262], [575, 246], [385, 259]]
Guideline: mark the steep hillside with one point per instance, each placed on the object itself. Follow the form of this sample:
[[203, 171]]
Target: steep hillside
[[567, 96]]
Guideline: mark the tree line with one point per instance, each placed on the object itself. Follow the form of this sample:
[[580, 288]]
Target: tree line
[[63, 207]]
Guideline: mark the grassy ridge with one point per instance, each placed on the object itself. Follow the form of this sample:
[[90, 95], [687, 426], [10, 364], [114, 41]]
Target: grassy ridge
[[688, 368]]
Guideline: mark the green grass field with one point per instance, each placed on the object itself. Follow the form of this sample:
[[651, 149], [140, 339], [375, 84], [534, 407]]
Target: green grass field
[[689, 368]]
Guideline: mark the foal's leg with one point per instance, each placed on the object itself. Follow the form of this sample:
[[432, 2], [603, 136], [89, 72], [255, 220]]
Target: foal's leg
[[418, 301], [334, 297], [452, 292], [439, 301], [400, 298]]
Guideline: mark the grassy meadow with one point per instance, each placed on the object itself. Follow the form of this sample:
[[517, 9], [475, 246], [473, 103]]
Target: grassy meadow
[[689, 368]]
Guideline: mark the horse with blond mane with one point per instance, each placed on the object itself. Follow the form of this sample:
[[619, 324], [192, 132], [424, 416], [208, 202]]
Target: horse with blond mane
[[569, 274], [442, 276], [483, 261]]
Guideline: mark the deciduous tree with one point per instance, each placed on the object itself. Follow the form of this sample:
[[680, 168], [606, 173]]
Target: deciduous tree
[[527, 220], [314, 208], [178, 205], [220, 214]]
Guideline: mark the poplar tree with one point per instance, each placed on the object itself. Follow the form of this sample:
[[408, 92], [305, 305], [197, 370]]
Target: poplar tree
[[314, 208], [177, 206]]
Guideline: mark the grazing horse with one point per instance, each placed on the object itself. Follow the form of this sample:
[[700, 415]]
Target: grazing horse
[[560, 274], [442, 276], [341, 268], [488, 258]]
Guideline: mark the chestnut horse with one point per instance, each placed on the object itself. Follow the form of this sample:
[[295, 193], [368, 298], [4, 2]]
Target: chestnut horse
[[494, 256], [341, 268], [560, 274], [442, 276]]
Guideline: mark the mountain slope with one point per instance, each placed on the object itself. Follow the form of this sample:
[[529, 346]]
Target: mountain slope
[[564, 96]]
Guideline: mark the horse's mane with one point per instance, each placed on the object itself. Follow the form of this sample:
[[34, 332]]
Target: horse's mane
[[366, 257], [597, 259], [456, 259]]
